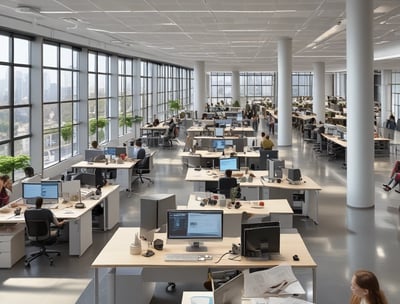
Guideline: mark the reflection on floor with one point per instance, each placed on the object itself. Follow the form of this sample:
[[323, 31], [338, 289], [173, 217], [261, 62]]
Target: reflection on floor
[[346, 239]]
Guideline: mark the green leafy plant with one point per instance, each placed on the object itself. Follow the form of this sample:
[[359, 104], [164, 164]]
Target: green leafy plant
[[174, 105], [10, 163], [236, 104], [67, 132], [234, 194], [95, 124]]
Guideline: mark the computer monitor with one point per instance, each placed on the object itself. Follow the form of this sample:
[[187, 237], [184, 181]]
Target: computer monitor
[[239, 116], [229, 292], [195, 227], [91, 155], [229, 163], [86, 179], [259, 240], [275, 167], [114, 151], [49, 191], [218, 144], [294, 175], [219, 132]]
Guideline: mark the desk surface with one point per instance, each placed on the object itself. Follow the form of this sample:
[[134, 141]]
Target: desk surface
[[251, 207], [68, 213], [103, 165], [116, 253]]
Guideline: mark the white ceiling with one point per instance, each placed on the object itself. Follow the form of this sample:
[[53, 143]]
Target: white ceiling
[[226, 34]]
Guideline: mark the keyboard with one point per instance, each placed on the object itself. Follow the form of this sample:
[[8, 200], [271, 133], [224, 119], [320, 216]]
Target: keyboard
[[187, 257]]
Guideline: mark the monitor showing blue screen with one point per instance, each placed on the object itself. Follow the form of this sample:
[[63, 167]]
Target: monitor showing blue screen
[[115, 151], [218, 144], [230, 163], [46, 190], [219, 132]]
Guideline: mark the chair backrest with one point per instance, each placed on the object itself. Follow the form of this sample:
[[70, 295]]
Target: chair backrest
[[225, 185], [144, 165], [37, 224]]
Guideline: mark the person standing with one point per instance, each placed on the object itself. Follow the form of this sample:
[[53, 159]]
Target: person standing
[[271, 124], [391, 126], [365, 289]]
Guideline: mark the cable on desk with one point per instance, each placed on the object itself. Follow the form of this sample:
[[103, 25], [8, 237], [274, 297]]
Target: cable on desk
[[220, 258]]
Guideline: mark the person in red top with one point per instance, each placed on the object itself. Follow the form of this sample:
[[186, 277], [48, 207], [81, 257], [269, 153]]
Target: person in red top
[[394, 177]]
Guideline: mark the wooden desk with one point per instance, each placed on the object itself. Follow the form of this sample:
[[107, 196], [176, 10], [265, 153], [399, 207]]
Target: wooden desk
[[116, 254], [79, 220], [286, 190], [124, 170], [277, 209]]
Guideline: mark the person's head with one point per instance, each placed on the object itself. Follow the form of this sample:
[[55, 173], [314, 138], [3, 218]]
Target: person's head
[[262, 134], [267, 137], [6, 182], [228, 173], [365, 285], [138, 143], [29, 171], [39, 202], [95, 144], [156, 122]]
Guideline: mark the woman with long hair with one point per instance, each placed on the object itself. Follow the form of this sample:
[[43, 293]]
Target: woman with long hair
[[365, 289]]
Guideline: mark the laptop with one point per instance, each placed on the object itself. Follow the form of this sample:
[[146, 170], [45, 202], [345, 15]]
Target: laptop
[[229, 292]]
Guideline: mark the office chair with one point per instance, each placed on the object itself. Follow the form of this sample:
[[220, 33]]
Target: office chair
[[143, 168], [40, 234], [225, 186]]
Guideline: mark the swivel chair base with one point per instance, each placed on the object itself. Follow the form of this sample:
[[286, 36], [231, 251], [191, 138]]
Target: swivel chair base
[[42, 251]]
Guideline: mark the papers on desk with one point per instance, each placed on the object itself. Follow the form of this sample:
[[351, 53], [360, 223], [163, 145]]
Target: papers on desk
[[274, 300], [276, 281]]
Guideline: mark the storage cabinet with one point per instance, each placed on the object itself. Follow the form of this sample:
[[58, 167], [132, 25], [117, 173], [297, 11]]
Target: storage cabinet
[[12, 244]]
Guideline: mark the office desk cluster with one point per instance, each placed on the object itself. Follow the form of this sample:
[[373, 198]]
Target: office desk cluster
[[116, 255], [12, 227]]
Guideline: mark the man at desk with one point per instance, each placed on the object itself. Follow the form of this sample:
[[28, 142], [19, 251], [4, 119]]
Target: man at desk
[[40, 213], [227, 183], [138, 151], [266, 143]]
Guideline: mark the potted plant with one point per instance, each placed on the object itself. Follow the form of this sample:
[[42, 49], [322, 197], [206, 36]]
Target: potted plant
[[67, 131], [125, 121], [236, 104], [10, 163], [174, 105]]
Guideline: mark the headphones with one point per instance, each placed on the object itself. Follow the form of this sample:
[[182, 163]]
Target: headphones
[[158, 244]]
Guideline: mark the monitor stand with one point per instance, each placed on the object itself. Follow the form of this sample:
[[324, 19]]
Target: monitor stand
[[196, 247]]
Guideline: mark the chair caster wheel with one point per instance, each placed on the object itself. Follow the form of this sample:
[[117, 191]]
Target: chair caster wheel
[[170, 287], [27, 265]]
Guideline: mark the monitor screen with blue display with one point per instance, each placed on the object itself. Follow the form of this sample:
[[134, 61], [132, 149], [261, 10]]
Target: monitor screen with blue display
[[46, 190], [230, 163], [218, 144], [115, 151], [219, 132]]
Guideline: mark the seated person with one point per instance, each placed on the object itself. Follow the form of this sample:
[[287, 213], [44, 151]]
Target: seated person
[[47, 213], [95, 145], [156, 122], [29, 171], [226, 184], [5, 190], [266, 143], [394, 177], [138, 151]]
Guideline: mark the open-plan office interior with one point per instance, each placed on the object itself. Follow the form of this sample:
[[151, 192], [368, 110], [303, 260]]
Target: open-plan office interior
[[72, 72]]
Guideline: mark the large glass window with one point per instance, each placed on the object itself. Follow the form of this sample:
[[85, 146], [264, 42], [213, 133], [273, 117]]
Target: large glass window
[[146, 90], [221, 87], [15, 103], [395, 95], [125, 96], [256, 85], [60, 102], [302, 85], [99, 102]]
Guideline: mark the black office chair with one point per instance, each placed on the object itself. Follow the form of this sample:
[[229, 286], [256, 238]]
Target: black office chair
[[143, 167], [40, 234], [225, 186]]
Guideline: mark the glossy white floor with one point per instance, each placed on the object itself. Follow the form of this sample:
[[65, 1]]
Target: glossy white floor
[[346, 239]]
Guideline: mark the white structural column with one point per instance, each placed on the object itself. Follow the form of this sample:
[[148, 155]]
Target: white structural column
[[208, 86], [360, 112], [386, 102], [285, 91], [199, 88], [329, 84], [235, 86], [319, 90]]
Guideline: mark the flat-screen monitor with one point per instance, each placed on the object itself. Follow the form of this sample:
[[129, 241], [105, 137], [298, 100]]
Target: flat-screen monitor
[[275, 167], [195, 227], [219, 132], [86, 179], [49, 191], [229, 163], [239, 116], [91, 155], [259, 240], [294, 175], [218, 144], [114, 151]]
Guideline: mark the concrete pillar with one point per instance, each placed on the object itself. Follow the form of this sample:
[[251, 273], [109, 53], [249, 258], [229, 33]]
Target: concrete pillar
[[329, 84], [386, 102], [319, 90], [360, 97], [199, 88], [235, 86], [208, 87], [114, 108], [285, 91]]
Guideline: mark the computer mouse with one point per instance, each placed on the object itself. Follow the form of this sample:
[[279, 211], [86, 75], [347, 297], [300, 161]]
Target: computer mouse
[[296, 258], [148, 253]]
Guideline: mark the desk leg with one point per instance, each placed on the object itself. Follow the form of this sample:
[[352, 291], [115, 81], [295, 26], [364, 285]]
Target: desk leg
[[314, 278], [114, 286], [96, 285], [316, 207]]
